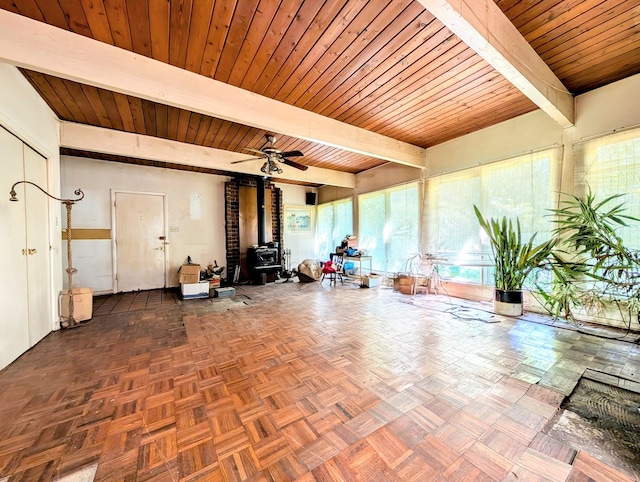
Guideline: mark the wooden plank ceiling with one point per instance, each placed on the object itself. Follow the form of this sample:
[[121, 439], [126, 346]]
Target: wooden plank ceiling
[[389, 67]]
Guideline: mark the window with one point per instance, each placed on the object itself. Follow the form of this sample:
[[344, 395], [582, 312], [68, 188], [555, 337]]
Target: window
[[335, 221], [611, 165], [389, 226], [521, 187]]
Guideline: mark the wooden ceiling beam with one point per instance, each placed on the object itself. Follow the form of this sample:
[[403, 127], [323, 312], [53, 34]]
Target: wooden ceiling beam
[[483, 27], [40, 47], [83, 137]]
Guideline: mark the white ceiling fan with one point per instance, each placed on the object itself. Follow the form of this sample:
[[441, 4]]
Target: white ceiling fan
[[273, 157]]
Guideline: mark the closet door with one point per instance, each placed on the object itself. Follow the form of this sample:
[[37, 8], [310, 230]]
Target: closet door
[[14, 328], [37, 243]]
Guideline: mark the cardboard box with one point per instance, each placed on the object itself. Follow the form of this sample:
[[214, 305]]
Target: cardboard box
[[214, 283], [195, 290], [352, 242], [224, 292], [371, 280], [189, 273], [404, 280], [82, 303], [406, 289]]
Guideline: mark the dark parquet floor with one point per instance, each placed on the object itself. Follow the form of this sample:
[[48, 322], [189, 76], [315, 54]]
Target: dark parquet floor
[[298, 382]]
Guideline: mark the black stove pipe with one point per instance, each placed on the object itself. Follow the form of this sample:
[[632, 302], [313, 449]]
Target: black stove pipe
[[262, 213]]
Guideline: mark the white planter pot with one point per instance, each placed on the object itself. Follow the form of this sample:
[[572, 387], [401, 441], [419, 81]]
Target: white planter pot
[[507, 303]]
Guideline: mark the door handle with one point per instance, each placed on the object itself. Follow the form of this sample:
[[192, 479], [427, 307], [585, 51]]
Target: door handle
[[161, 248], [32, 251]]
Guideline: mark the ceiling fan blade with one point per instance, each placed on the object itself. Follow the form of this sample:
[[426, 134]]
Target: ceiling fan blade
[[291, 154], [257, 151], [291, 163], [245, 160]]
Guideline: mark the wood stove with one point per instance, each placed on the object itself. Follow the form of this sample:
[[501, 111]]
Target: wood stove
[[264, 258], [263, 262]]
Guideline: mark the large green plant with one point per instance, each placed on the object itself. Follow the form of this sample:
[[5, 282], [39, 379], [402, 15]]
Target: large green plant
[[514, 258], [595, 269]]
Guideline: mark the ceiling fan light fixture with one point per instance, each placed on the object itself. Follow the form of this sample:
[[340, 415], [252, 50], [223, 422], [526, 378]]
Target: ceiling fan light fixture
[[274, 168], [273, 157], [270, 167]]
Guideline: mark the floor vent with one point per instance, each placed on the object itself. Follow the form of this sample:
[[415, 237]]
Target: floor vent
[[602, 416]]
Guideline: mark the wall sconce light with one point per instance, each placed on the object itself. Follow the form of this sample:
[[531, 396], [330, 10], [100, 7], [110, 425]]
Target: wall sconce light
[[71, 322]]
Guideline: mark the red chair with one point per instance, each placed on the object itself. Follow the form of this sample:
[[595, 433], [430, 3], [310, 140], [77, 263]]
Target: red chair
[[333, 270]]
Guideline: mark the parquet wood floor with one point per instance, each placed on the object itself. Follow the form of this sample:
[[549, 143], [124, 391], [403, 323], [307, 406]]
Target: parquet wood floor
[[298, 382]]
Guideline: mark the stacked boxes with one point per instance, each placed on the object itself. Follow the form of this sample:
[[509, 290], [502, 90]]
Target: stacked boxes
[[195, 290], [213, 284], [191, 287], [190, 284], [190, 273]]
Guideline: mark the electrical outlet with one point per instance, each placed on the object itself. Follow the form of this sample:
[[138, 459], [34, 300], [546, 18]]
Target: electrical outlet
[[174, 229]]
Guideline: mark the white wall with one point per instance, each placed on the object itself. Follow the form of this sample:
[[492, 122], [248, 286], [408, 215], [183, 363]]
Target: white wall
[[375, 179], [24, 114], [203, 239], [385, 176], [613, 107], [301, 244]]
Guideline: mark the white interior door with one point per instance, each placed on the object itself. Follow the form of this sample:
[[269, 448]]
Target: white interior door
[[139, 251], [14, 328], [38, 262]]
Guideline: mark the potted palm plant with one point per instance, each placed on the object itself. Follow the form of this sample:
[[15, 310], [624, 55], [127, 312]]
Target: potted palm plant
[[514, 260], [595, 271]]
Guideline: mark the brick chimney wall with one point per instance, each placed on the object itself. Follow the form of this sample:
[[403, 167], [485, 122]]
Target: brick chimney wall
[[277, 217], [232, 218]]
